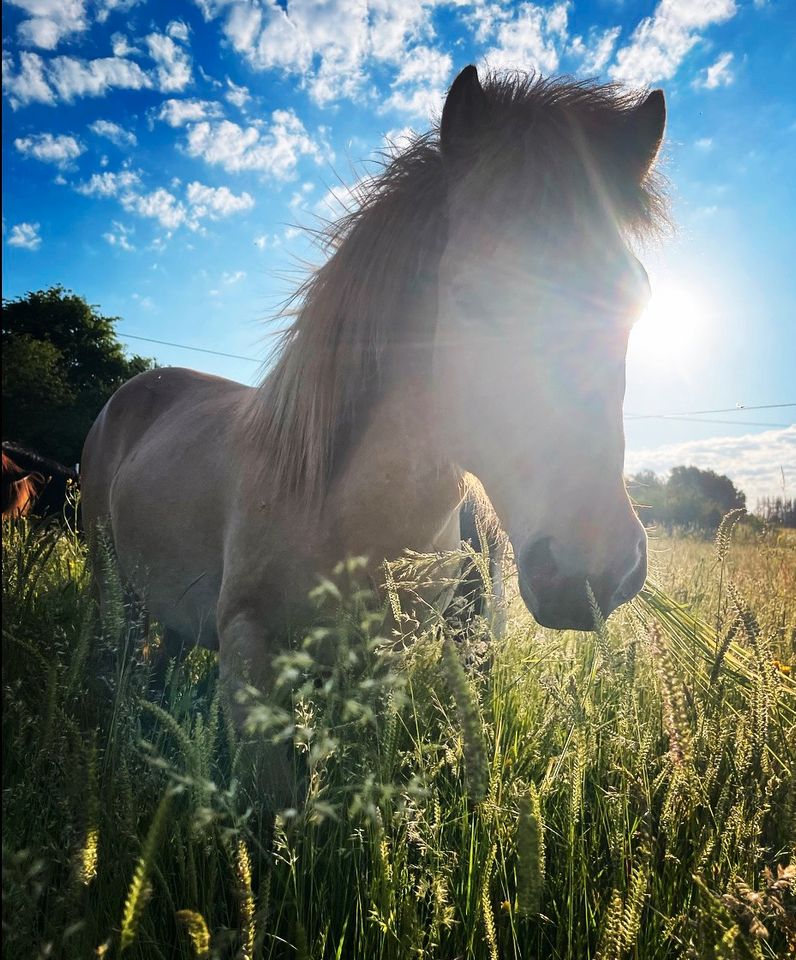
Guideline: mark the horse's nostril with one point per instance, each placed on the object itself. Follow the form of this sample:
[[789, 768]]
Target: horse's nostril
[[537, 561], [632, 583]]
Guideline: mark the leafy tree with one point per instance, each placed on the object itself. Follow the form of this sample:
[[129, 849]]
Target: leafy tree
[[689, 497], [61, 363], [700, 498]]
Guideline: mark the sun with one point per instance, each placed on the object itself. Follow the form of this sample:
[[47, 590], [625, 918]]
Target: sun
[[672, 327]]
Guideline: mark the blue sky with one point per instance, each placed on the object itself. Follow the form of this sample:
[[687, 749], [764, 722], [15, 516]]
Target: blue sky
[[159, 156]]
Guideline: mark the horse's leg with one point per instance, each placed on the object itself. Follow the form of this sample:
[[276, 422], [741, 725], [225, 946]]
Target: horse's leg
[[497, 566], [172, 647], [469, 597], [106, 591], [245, 662]]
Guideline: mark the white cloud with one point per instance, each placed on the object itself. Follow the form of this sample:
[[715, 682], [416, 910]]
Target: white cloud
[[275, 152], [108, 184], [339, 200], [174, 64], [718, 74], [396, 141], [106, 7], [178, 30], [215, 202], [710, 210], [595, 51], [176, 113], [28, 84], [119, 236], [25, 235], [159, 204], [533, 37], [113, 132], [754, 462], [146, 302], [237, 96], [660, 43], [60, 150], [704, 144], [200, 202], [396, 24], [121, 47], [50, 21], [72, 77], [261, 242], [299, 197], [483, 19], [212, 8], [236, 277], [66, 78], [323, 42], [419, 88], [243, 26]]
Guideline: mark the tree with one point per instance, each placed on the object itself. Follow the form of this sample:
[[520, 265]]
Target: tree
[[61, 363], [689, 497], [778, 510]]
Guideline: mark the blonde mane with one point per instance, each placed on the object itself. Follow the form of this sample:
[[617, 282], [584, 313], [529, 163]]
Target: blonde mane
[[326, 365]]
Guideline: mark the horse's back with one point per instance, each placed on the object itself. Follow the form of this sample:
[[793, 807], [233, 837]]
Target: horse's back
[[153, 410]]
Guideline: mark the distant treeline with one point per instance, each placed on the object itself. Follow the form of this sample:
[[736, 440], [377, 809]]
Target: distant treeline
[[689, 498], [777, 510], [693, 499]]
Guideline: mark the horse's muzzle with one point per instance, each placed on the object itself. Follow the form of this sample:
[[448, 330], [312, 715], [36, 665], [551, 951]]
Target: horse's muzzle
[[561, 600]]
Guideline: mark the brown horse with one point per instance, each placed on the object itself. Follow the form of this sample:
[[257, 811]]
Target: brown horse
[[473, 315], [20, 488], [34, 484]]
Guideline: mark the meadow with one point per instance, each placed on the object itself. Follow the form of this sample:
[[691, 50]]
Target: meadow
[[625, 793]]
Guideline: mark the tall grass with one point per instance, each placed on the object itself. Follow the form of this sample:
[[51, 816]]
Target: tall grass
[[627, 793]]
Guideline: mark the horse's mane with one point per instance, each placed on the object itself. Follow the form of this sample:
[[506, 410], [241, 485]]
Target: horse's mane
[[30, 460], [349, 309]]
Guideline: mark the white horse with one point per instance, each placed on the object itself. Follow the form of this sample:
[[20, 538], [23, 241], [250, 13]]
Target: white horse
[[473, 316]]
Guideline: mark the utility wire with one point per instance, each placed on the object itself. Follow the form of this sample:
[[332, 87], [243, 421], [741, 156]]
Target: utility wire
[[698, 413], [184, 346], [734, 423], [693, 416]]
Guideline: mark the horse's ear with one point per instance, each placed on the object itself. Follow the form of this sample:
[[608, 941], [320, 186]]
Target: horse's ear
[[643, 134], [464, 113]]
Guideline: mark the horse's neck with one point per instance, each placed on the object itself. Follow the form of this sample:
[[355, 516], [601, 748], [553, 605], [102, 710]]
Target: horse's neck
[[398, 488]]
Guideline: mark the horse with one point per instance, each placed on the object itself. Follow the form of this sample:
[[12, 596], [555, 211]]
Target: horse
[[34, 484], [472, 317], [19, 489]]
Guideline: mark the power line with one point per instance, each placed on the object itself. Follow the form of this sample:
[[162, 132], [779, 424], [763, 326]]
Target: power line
[[698, 413], [693, 416], [184, 346], [733, 423]]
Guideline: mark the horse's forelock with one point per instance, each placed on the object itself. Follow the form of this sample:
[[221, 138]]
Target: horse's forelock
[[544, 134]]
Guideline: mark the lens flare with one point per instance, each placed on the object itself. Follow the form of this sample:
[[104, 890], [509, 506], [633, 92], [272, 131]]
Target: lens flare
[[672, 328]]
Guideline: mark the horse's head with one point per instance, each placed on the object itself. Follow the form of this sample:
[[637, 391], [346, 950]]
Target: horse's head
[[20, 488], [538, 291]]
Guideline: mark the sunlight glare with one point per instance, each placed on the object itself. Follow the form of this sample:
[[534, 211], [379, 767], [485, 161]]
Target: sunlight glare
[[671, 329]]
